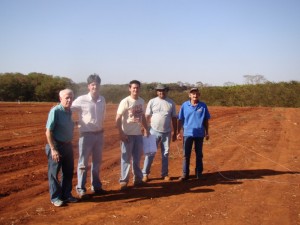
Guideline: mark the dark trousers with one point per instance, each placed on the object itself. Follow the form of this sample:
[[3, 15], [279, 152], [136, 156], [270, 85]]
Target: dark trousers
[[187, 150]]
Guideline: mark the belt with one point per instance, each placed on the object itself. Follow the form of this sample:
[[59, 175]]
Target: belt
[[92, 132], [63, 142]]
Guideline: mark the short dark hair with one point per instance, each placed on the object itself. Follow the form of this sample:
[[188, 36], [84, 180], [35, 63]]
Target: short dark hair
[[134, 82], [94, 78]]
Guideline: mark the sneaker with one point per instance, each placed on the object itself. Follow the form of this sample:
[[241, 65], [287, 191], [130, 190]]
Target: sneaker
[[82, 195], [58, 203], [166, 178], [137, 183], [98, 191], [198, 176], [71, 199], [123, 186], [145, 178], [183, 178]]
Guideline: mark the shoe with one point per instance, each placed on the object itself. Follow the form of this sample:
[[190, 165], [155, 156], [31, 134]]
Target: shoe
[[137, 183], [145, 178], [98, 192], [199, 176], [71, 199], [58, 203], [166, 178], [82, 195], [183, 178], [123, 186]]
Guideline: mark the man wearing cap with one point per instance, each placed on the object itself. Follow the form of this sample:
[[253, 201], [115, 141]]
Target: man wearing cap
[[161, 114], [91, 111], [193, 117]]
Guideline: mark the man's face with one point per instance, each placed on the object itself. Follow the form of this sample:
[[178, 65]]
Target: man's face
[[94, 88], [66, 100], [161, 93], [134, 89], [194, 95]]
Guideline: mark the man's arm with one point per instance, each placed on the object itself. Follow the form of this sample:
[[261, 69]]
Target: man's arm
[[179, 126], [148, 119], [54, 153], [123, 137], [174, 124], [206, 125], [145, 126]]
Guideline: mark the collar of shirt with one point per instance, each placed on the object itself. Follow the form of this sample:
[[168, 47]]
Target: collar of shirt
[[90, 97], [63, 108], [190, 104]]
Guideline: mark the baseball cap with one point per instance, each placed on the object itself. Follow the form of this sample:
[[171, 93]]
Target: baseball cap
[[160, 87], [194, 89]]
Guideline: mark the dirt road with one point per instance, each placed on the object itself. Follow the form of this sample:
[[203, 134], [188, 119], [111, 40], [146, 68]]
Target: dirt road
[[251, 173]]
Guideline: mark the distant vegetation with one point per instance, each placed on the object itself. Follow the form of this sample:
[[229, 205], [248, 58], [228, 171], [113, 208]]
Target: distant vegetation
[[256, 92]]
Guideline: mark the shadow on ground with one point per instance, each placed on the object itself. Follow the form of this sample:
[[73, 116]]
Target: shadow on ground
[[153, 189]]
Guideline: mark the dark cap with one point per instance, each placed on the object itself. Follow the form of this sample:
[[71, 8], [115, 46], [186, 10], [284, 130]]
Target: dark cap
[[194, 89], [161, 87]]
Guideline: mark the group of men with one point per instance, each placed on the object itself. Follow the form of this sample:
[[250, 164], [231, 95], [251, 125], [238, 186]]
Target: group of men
[[133, 122]]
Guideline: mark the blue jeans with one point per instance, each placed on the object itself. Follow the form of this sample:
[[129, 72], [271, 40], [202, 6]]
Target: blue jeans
[[90, 143], [187, 149], [162, 139], [60, 189], [133, 148]]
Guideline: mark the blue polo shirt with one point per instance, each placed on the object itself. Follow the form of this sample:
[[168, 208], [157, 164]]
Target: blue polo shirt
[[192, 118], [60, 123]]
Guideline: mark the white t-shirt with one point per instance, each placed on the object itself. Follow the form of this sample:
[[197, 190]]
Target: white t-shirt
[[132, 112], [161, 112]]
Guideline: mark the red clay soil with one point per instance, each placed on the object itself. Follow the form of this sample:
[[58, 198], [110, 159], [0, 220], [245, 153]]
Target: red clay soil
[[251, 173]]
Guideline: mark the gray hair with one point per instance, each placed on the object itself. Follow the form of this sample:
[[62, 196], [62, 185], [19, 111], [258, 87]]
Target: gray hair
[[65, 92]]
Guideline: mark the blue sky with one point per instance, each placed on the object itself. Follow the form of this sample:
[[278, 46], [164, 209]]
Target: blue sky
[[208, 41]]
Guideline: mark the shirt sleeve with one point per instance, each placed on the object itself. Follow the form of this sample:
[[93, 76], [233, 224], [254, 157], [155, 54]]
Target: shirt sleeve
[[76, 105], [149, 108], [104, 108], [120, 110], [51, 119], [181, 114], [207, 114]]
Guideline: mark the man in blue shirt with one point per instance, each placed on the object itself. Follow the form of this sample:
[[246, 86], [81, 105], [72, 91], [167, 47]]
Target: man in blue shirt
[[59, 133], [193, 117]]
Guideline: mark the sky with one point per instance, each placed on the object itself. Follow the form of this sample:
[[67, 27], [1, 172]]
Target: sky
[[165, 41]]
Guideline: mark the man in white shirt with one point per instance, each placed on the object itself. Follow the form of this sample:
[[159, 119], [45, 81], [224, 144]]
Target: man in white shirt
[[91, 111], [129, 120]]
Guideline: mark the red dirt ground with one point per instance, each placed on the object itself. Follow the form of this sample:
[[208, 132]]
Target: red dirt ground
[[251, 173]]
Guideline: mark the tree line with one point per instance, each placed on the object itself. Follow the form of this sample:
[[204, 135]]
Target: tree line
[[45, 88]]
